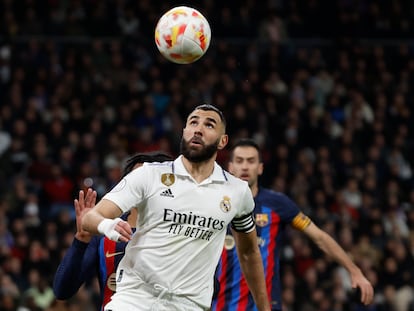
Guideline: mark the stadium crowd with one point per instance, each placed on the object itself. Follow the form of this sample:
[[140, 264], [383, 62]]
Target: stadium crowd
[[319, 85]]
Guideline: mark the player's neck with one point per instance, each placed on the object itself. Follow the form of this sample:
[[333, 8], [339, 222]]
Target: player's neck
[[254, 189], [199, 171]]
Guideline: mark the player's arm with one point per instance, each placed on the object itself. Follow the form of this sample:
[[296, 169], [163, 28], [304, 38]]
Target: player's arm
[[77, 267], [252, 266], [328, 245], [69, 276], [104, 219]]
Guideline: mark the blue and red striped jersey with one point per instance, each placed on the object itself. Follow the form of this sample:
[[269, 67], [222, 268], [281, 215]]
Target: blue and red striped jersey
[[273, 211], [110, 254], [84, 261]]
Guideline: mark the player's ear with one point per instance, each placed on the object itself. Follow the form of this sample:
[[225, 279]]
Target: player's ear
[[230, 167], [224, 139], [260, 169]]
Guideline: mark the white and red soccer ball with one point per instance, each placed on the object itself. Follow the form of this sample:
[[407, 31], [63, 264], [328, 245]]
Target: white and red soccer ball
[[182, 35]]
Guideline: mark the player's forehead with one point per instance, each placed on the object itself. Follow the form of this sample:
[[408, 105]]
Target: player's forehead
[[205, 115], [245, 152]]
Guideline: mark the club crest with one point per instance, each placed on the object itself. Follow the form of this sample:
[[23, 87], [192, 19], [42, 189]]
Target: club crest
[[225, 204], [262, 220], [229, 242], [168, 179], [111, 282]]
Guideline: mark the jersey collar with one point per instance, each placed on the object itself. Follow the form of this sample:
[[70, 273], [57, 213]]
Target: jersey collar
[[218, 175]]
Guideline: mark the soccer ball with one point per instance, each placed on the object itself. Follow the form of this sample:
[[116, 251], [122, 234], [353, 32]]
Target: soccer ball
[[182, 35]]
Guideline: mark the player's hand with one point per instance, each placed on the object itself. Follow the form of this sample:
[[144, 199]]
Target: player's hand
[[115, 229], [363, 287], [83, 204]]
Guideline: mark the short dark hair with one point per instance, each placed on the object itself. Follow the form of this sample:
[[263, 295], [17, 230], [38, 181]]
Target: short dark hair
[[245, 142], [153, 156], [208, 107]]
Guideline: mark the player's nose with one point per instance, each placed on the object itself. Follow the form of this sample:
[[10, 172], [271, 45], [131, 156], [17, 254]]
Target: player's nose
[[244, 166], [198, 133]]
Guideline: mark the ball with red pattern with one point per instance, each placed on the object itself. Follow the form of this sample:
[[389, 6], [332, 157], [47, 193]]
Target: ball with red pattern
[[182, 35]]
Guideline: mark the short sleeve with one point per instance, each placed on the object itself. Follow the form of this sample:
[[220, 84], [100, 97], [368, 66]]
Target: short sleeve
[[244, 221], [130, 191]]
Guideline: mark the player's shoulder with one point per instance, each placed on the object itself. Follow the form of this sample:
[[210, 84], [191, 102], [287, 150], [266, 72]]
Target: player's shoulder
[[158, 164], [159, 171], [278, 202], [276, 197], [150, 170]]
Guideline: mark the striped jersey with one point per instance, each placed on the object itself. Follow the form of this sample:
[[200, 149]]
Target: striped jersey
[[110, 254], [273, 211], [84, 261]]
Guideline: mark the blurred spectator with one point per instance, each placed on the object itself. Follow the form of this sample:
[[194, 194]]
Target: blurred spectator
[[39, 294], [10, 293], [5, 141], [351, 194], [395, 222], [128, 22], [398, 276], [39, 170], [31, 213], [6, 238], [59, 191]]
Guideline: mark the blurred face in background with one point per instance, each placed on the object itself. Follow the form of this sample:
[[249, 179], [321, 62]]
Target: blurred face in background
[[245, 164]]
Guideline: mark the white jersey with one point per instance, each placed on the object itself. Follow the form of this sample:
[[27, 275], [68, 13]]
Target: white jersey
[[181, 226]]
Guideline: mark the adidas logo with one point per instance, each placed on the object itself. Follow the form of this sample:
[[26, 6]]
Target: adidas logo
[[167, 193]]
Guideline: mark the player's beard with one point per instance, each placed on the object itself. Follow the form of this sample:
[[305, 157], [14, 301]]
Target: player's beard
[[200, 155]]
